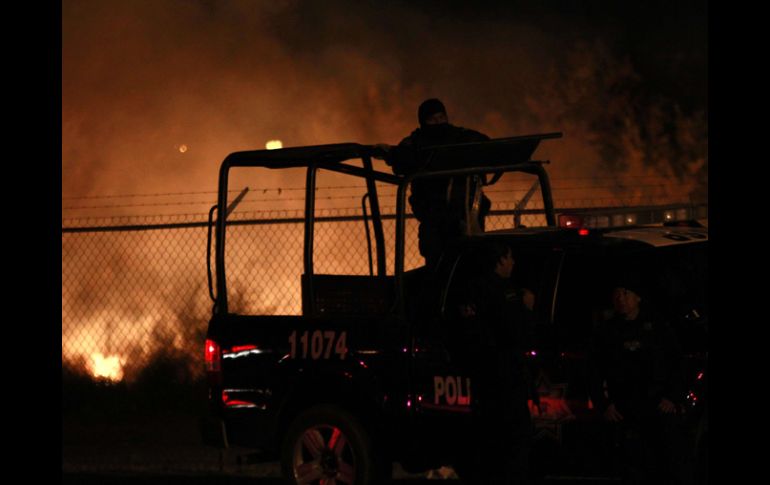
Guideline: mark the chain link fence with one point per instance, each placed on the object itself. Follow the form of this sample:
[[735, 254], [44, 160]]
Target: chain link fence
[[135, 291]]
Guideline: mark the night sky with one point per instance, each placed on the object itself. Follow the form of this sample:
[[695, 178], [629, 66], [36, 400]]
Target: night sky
[[626, 82]]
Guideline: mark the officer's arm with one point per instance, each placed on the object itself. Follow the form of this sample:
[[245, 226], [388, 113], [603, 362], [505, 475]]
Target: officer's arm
[[401, 157]]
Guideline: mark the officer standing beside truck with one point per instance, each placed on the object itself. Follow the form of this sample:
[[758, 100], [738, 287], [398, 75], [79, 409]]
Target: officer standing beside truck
[[498, 322], [639, 388]]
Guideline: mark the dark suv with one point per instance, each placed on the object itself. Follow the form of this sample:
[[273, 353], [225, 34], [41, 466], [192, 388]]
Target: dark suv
[[365, 371]]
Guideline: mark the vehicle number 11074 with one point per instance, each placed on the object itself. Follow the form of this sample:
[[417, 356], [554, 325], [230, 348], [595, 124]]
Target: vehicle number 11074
[[318, 344]]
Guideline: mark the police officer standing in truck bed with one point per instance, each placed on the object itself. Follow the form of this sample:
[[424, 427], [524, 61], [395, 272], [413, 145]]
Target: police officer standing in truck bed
[[437, 202]]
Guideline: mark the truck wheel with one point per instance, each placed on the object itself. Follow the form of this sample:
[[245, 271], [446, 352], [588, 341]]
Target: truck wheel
[[326, 445]]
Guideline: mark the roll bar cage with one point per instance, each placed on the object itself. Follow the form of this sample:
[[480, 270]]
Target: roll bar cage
[[494, 156]]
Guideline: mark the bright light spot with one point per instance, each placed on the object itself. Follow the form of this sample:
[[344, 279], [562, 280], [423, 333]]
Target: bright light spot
[[182, 148], [669, 216], [273, 144], [107, 367]]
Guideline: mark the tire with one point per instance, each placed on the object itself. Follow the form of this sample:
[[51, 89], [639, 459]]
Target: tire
[[326, 445]]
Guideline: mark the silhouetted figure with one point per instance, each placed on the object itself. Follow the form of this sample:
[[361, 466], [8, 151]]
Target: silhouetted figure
[[438, 203], [639, 360], [498, 322]]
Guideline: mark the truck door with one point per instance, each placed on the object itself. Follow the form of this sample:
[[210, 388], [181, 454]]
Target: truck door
[[441, 387]]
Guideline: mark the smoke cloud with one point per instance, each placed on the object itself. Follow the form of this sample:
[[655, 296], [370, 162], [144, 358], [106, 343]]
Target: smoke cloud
[[143, 77], [626, 84]]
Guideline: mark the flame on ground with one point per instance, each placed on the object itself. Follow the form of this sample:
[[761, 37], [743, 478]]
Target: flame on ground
[[108, 367]]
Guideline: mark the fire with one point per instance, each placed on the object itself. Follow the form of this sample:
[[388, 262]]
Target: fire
[[107, 367], [273, 144]]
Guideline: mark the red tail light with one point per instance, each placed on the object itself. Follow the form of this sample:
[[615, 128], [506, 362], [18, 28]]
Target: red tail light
[[213, 356]]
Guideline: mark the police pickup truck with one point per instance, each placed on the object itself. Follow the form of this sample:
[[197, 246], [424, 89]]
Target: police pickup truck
[[363, 374]]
